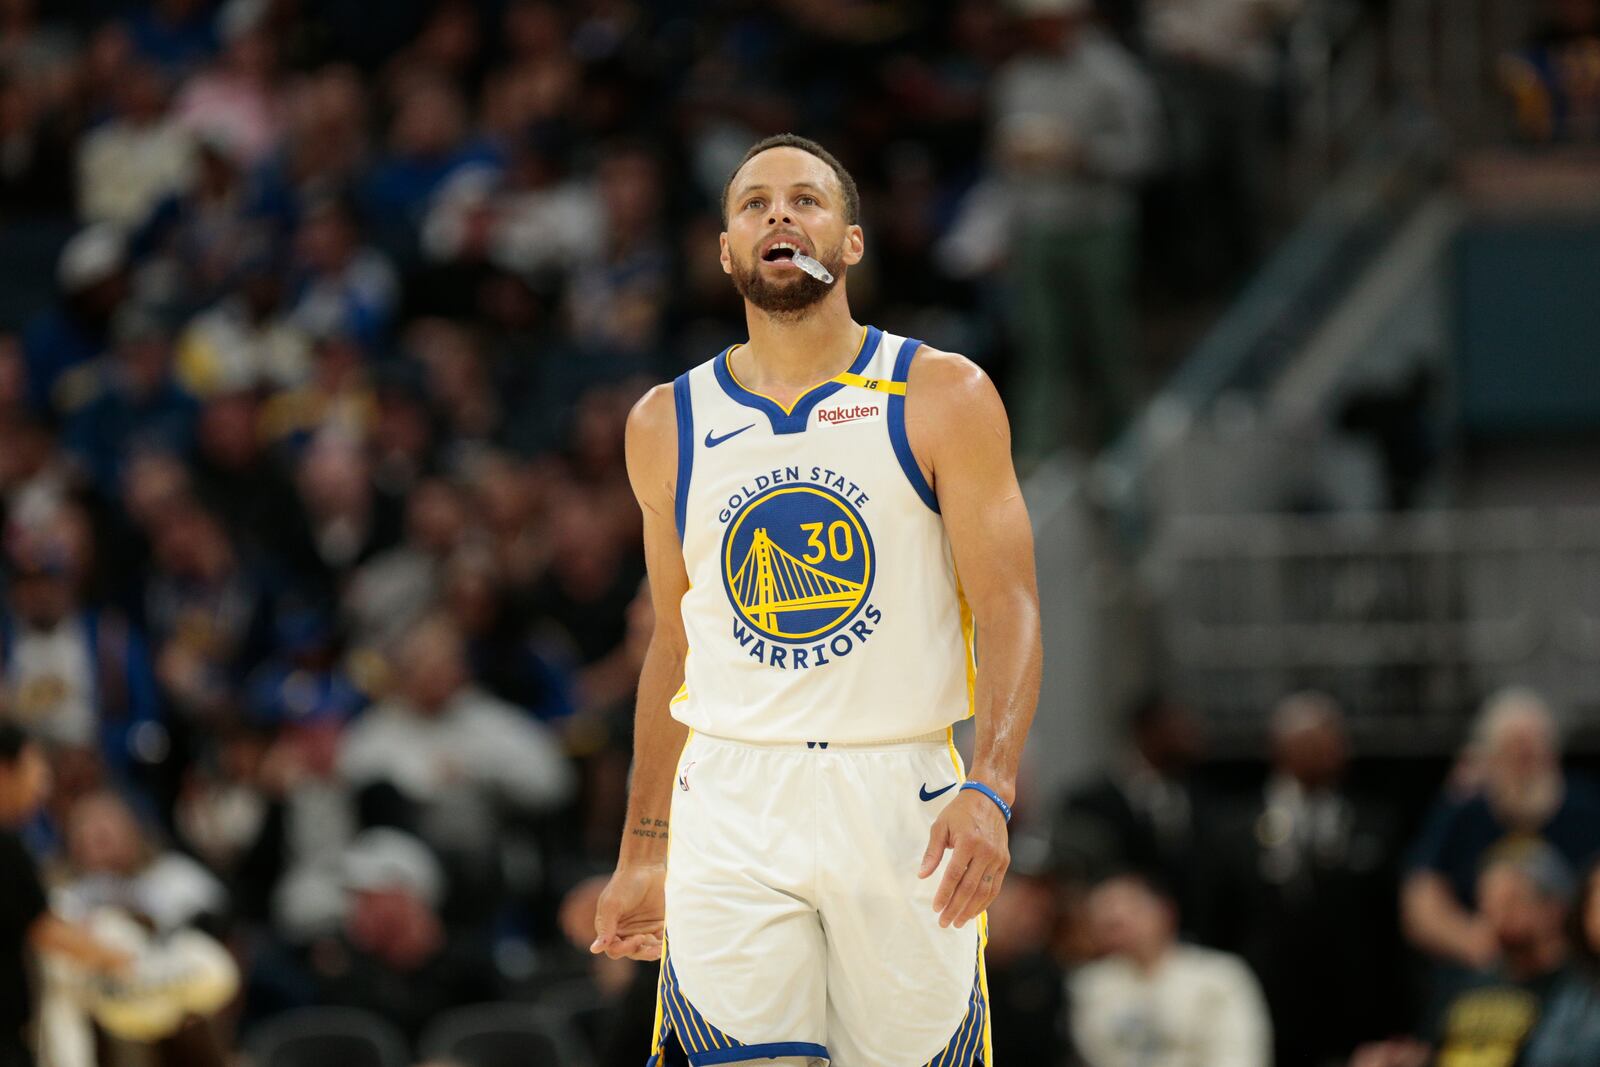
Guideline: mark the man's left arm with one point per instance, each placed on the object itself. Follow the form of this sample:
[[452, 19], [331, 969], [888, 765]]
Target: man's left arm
[[958, 431]]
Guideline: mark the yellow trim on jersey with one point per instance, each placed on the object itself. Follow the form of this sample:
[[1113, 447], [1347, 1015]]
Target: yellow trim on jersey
[[788, 409], [983, 986], [661, 977], [877, 385], [955, 757], [967, 640]]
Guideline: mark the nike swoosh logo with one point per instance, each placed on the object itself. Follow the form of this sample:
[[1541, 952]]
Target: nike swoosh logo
[[712, 441], [925, 795]]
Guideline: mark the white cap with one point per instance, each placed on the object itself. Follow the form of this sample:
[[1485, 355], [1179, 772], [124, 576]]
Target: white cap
[[90, 256], [382, 858]]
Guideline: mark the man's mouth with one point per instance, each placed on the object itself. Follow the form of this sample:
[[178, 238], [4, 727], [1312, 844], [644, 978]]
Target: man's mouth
[[780, 251]]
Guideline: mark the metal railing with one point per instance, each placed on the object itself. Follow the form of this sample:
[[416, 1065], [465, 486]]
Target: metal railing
[[1409, 619]]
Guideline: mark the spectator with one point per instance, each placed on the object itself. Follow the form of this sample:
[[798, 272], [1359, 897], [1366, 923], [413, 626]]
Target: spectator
[[326, 145], [246, 340], [1524, 793], [460, 763], [1568, 1034], [1156, 1002], [533, 218], [1297, 872], [464, 399], [235, 477], [113, 864], [1553, 100], [237, 97], [193, 242], [392, 953], [396, 588], [1144, 814], [626, 990], [289, 873], [1075, 126], [428, 142], [93, 278], [342, 286], [207, 614], [25, 919], [1218, 64], [177, 34], [1026, 984], [617, 298], [126, 401], [511, 662], [35, 154], [77, 677], [335, 401], [343, 520], [128, 165], [1488, 1015]]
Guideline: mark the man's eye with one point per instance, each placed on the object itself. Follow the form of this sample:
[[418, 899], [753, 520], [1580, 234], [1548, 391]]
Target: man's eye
[[757, 203], [805, 200]]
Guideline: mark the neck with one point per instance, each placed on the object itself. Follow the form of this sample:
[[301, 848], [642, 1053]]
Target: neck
[[1536, 959], [1147, 958], [787, 353]]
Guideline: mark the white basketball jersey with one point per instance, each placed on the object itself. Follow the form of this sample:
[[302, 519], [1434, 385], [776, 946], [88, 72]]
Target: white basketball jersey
[[823, 601]]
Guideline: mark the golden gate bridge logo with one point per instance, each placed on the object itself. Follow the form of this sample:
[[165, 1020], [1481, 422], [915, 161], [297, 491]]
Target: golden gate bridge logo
[[797, 562]]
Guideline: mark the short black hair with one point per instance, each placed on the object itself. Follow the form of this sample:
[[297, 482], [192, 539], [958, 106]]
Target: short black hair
[[14, 741], [847, 184], [1151, 881]]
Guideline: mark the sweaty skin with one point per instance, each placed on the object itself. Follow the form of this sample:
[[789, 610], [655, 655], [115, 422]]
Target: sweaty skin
[[786, 193]]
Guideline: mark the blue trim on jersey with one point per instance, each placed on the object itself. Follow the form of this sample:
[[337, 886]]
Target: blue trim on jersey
[[704, 1044], [770, 1051], [795, 419], [680, 396], [966, 1047], [897, 427]]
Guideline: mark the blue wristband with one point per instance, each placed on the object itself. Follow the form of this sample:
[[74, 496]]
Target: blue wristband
[[979, 787]]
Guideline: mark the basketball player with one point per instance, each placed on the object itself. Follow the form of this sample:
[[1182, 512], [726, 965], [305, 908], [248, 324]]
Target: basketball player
[[830, 512]]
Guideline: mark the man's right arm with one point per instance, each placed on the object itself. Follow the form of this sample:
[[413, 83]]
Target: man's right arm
[[1435, 922], [1431, 916], [631, 915]]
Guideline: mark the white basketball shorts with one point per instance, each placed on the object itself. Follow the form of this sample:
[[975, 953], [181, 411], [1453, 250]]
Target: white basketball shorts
[[796, 923]]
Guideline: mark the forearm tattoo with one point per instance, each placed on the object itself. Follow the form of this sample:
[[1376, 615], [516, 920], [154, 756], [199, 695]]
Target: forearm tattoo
[[650, 828]]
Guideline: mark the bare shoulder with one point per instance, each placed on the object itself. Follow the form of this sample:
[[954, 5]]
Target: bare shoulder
[[654, 417], [652, 446], [947, 385]]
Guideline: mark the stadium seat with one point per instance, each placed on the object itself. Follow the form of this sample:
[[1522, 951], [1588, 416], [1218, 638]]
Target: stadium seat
[[504, 1035], [578, 1003], [328, 1037]]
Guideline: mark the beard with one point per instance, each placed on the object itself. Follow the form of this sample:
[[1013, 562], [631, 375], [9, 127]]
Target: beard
[[1527, 804], [789, 299]]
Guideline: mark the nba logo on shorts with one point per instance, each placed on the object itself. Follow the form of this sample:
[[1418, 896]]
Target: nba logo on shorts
[[797, 563]]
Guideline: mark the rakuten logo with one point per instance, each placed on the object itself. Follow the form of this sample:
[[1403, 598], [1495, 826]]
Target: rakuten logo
[[842, 414]]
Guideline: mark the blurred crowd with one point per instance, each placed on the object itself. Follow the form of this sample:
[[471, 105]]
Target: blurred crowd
[[1166, 915], [319, 323]]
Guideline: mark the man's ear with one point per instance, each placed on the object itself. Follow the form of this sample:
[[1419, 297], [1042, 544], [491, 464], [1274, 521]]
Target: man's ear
[[855, 247], [722, 253]]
